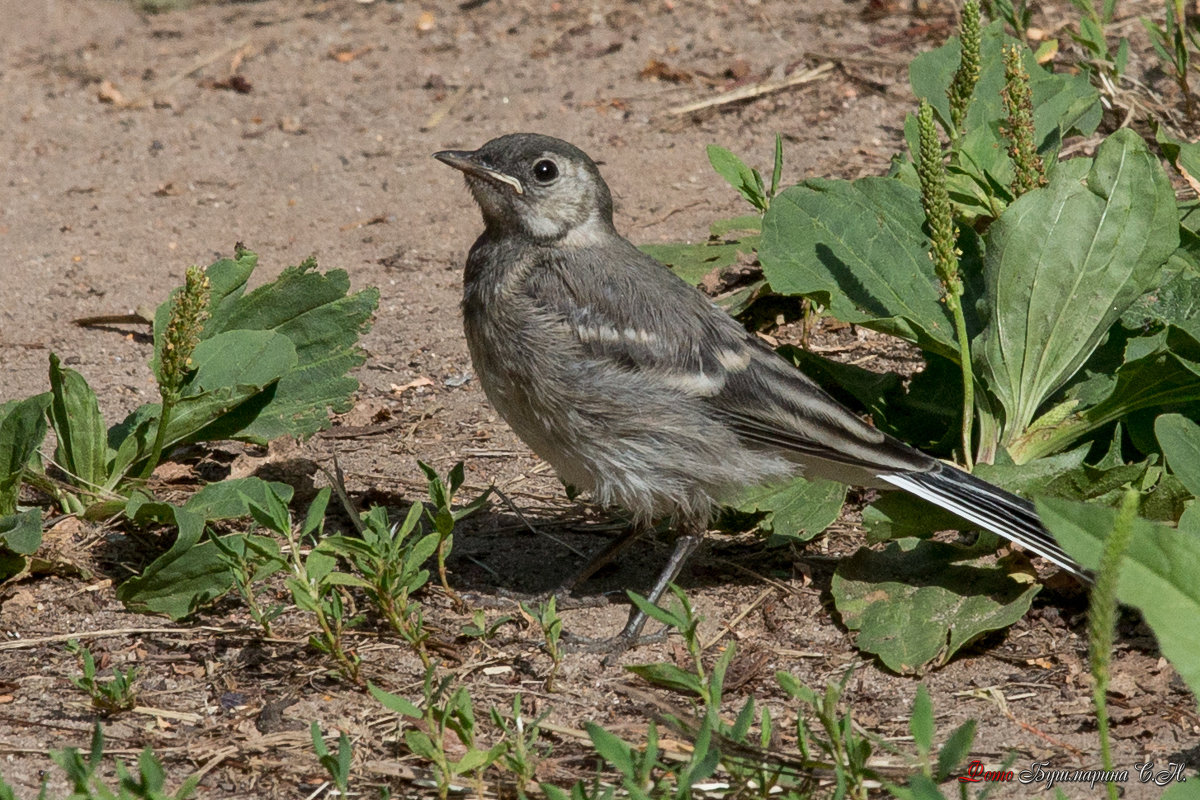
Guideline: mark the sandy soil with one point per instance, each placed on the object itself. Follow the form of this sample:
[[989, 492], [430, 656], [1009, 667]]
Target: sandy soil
[[134, 145]]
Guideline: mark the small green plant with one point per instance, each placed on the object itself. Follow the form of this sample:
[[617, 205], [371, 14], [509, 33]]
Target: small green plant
[[444, 713], [314, 585], [522, 752], [118, 693], [231, 364], [1173, 41], [837, 740], [444, 517], [480, 628], [81, 772], [387, 561], [949, 757], [1092, 37], [249, 560], [545, 616], [748, 181], [705, 684], [337, 765], [1015, 13], [643, 774]]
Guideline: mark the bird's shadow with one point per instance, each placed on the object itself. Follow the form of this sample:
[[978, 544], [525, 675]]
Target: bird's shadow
[[499, 553]]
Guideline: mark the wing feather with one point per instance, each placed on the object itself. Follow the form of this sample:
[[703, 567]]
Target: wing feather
[[641, 318]]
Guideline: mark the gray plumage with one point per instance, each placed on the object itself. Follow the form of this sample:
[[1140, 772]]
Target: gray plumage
[[635, 386]]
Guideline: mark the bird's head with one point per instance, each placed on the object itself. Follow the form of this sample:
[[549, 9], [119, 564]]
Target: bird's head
[[536, 186]]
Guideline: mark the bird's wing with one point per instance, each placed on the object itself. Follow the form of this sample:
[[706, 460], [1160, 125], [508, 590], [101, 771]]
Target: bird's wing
[[636, 315]]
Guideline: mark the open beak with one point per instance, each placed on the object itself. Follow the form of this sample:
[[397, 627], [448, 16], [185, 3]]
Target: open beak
[[468, 162]]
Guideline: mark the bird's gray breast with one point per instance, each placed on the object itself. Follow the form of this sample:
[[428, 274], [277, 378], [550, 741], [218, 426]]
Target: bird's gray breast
[[525, 362]]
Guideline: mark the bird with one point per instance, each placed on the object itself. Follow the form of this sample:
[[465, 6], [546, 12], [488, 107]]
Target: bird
[[637, 388]]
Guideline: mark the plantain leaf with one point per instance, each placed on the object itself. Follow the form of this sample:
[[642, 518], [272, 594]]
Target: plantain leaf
[[858, 248], [191, 572], [79, 426], [1179, 438], [795, 511], [323, 321], [916, 604], [22, 430], [1063, 263]]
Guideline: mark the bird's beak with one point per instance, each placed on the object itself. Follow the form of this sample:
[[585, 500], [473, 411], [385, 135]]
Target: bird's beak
[[468, 161]]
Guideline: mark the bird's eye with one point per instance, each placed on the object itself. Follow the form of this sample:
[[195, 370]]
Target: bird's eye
[[545, 171]]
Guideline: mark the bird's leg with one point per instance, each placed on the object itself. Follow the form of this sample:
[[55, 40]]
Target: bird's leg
[[630, 635], [685, 545]]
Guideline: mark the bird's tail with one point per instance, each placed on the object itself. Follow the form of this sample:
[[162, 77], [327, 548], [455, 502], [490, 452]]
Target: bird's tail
[[987, 506]]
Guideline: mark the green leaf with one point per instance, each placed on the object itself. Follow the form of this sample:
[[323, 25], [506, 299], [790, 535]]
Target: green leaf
[[669, 676], [420, 744], [858, 248], [611, 749], [748, 223], [1180, 791], [21, 533], [20, 537], [232, 498], [1063, 263], [920, 724], [1033, 476], [920, 787], [748, 182], [177, 582], [656, 612], [956, 749], [394, 702], [913, 607], [693, 262], [792, 685], [1158, 380], [192, 573], [1185, 156], [22, 429], [324, 323], [79, 426], [239, 358], [232, 370], [1158, 574], [1175, 301], [798, 510], [1179, 438]]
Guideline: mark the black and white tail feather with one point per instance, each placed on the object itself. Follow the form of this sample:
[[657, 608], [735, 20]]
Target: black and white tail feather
[[987, 506]]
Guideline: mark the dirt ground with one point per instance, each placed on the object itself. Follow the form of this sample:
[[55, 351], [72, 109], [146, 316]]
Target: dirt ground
[[134, 145]]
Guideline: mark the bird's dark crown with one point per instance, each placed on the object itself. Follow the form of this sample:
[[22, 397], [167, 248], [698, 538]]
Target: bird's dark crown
[[536, 186]]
